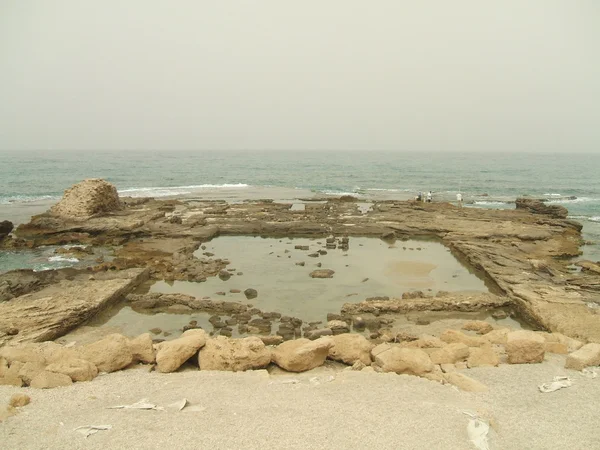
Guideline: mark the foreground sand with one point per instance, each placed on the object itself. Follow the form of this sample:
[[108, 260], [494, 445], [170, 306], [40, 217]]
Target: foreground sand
[[255, 410]]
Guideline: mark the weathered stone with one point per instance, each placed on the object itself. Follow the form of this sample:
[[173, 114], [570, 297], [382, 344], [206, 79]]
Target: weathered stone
[[497, 336], [464, 382], [142, 349], [19, 400], [450, 354], [11, 380], [271, 340], [322, 273], [479, 326], [447, 368], [338, 326], [6, 227], [87, 199], [234, 354], [76, 369], [425, 341], [3, 366], [524, 347], [588, 355], [350, 348], [30, 370], [301, 354], [224, 275], [556, 347], [392, 358], [22, 353], [455, 336], [251, 293], [48, 380], [483, 356], [171, 355], [109, 354], [319, 332]]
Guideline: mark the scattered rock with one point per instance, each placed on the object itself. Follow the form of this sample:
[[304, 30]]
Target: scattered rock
[[479, 326], [171, 355], [525, 347], [302, 354], [319, 332], [454, 336], [75, 369], [497, 336], [251, 293], [6, 227], [392, 358], [49, 380], [142, 349], [338, 326], [588, 355], [483, 356], [224, 275], [18, 400], [450, 354], [322, 273], [499, 315], [351, 348], [234, 354], [271, 340], [109, 354]]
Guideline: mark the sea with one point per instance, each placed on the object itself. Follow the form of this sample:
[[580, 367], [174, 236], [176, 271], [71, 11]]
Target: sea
[[31, 181]]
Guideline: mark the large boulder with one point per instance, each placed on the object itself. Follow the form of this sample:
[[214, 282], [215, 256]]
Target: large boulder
[[349, 348], [401, 360], [455, 336], [525, 347], [536, 206], [171, 355], [478, 326], [109, 354], [450, 354], [76, 369], [588, 355], [302, 354], [484, 356], [91, 197], [6, 227], [142, 349], [235, 355]]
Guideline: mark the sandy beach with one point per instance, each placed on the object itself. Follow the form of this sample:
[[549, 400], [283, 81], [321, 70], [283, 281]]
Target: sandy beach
[[321, 409]]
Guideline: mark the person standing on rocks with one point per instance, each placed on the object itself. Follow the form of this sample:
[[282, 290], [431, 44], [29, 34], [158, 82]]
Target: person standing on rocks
[[429, 197], [459, 199]]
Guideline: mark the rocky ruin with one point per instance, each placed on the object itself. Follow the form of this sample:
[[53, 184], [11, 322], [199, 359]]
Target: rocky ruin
[[525, 255]]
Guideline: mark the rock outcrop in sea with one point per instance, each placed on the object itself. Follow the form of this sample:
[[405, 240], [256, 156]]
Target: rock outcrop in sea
[[90, 198]]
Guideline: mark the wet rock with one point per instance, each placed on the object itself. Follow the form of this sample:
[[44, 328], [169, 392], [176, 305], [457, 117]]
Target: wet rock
[[318, 264], [499, 315], [234, 354], [525, 347], [224, 275], [19, 400], [235, 291], [142, 349], [389, 236], [301, 354], [322, 273], [109, 354], [392, 358], [6, 227], [350, 348], [317, 333], [359, 323], [271, 315], [301, 263], [478, 326], [330, 240], [301, 247], [338, 326], [49, 380], [155, 330], [231, 322], [588, 355], [422, 321], [251, 293], [412, 295], [76, 369], [322, 252], [313, 255], [171, 355], [538, 207]]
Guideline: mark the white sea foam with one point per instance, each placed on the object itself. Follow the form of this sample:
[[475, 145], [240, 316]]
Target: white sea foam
[[594, 219], [10, 200], [176, 190], [489, 203], [331, 192], [389, 190], [573, 200], [62, 259]]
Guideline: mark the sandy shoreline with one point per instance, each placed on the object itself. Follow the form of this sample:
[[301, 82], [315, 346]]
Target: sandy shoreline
[[360, 410]]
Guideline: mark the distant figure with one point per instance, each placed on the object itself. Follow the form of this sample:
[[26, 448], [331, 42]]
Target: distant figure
[[459, 199], [429, 197], [419, 196]]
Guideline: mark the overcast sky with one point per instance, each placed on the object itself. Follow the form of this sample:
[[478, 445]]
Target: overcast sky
[[514, 75]]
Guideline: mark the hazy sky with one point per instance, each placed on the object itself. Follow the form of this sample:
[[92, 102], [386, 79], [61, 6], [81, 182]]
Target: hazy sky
[[480, 75]]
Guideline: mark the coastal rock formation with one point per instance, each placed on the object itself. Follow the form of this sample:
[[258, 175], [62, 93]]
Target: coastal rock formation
[[74, 368], [90, 198], [109, 354], [301, 354], [588, 355], [49, 380], [5, 228], [539, 207], [234, 355]]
